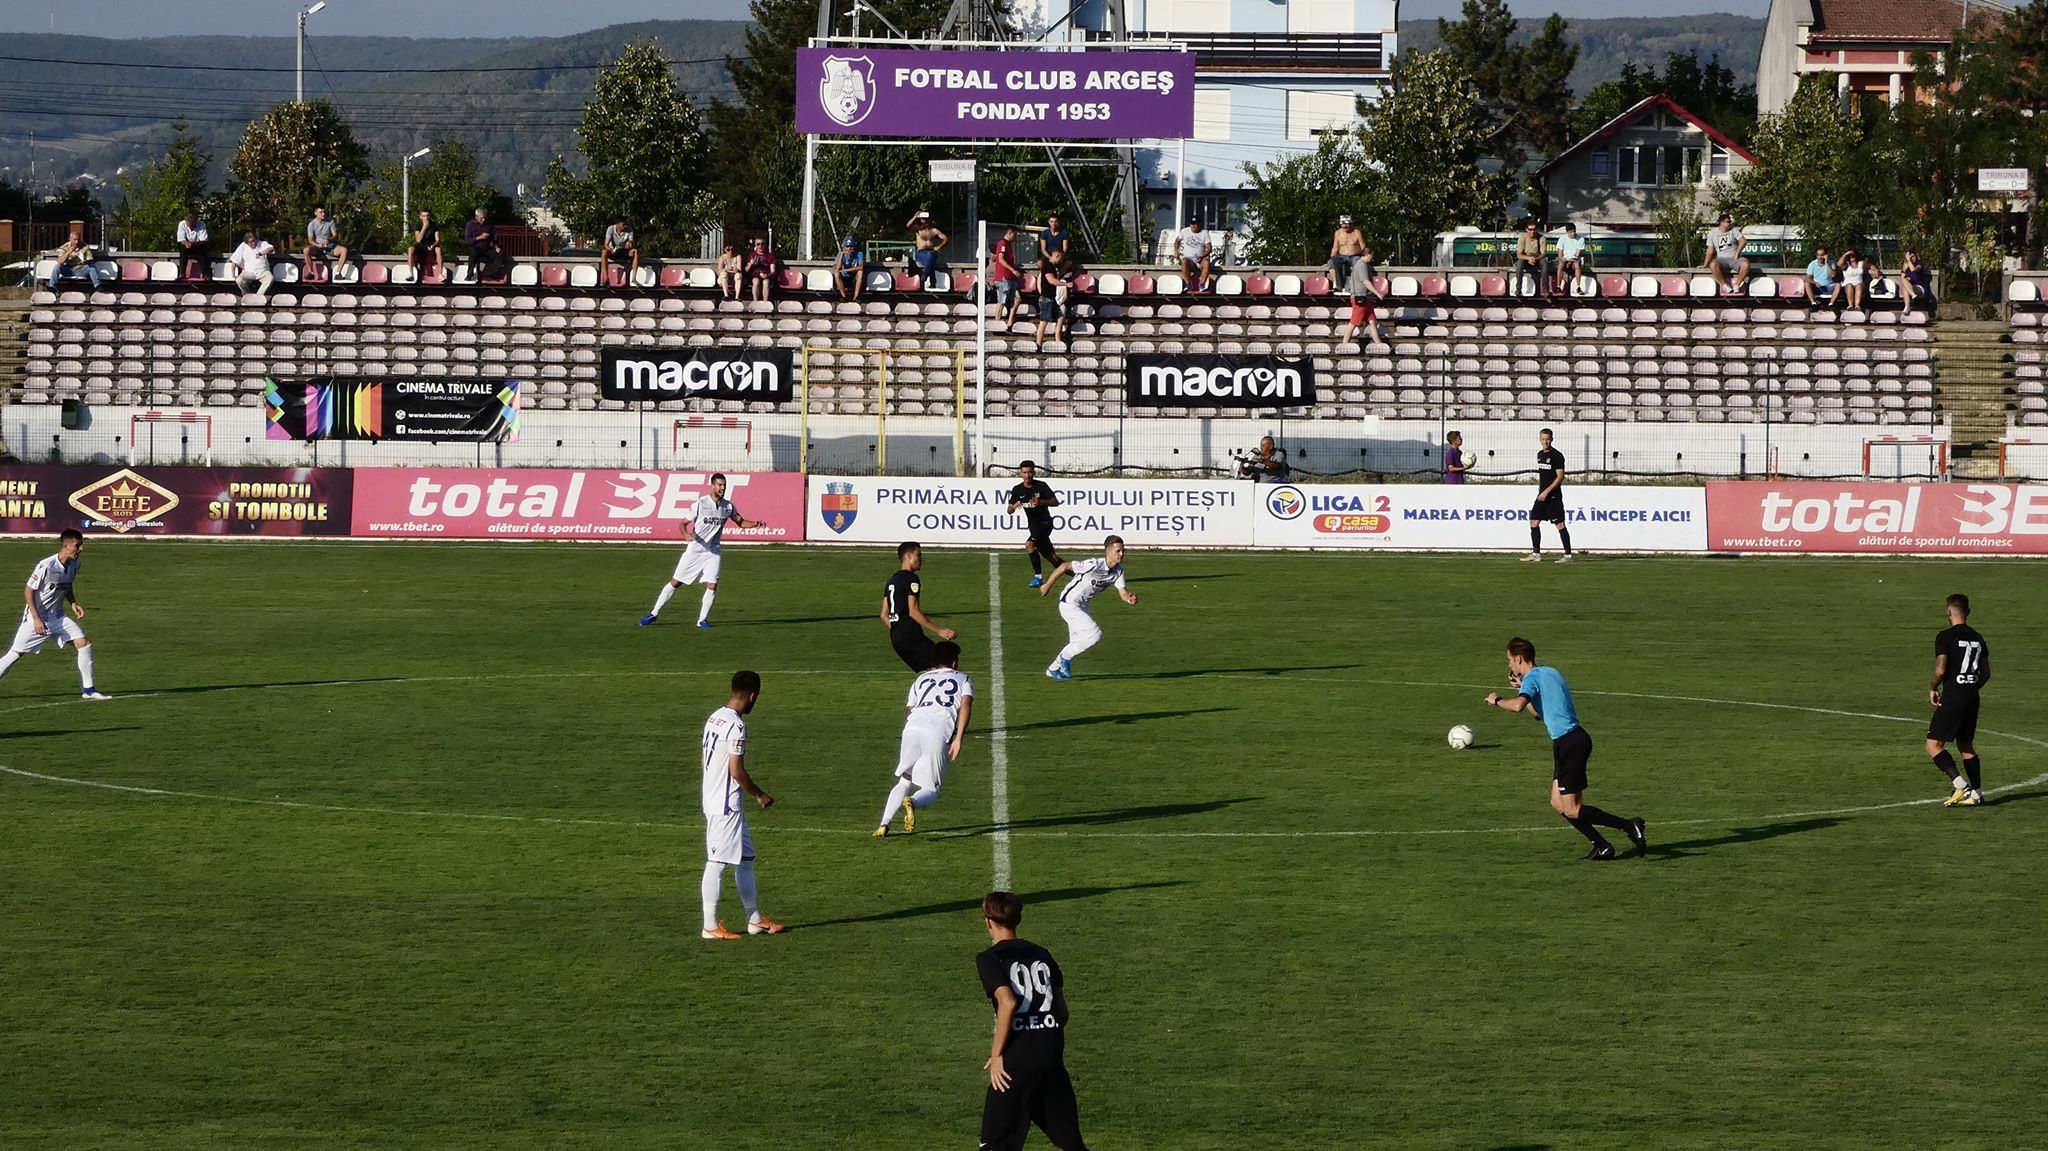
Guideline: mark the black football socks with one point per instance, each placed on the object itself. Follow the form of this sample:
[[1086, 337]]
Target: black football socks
[[1594, 815], [1947, 764], [1564, 536], [1535, 536], [1973, 767], [1585, 827]]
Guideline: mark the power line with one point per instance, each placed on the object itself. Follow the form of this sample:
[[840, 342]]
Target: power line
[[350, 71]]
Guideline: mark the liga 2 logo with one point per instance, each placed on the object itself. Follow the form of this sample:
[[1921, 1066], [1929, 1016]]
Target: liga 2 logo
[[847, 90], [1337, 513]]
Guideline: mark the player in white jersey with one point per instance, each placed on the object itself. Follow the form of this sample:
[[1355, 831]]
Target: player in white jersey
[[1090, 577], [727, 841], [701, 559], [935, 720], [49, 590]]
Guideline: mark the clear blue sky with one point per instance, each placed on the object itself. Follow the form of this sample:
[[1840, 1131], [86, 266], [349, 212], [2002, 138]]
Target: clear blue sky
[[561, 17]]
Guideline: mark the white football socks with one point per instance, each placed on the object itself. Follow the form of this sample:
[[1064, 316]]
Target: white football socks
[[85, 666], [743, 877], [704, 608], [713, 872], [8, 661], [668, 592]]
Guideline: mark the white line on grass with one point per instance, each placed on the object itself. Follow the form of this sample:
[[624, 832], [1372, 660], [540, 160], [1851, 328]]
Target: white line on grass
[[999, 734]]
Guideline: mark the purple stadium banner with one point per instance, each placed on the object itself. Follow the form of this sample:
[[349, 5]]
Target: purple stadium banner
[[939, 95]]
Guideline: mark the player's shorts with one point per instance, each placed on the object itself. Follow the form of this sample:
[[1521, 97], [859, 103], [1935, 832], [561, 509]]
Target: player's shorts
[[1082, 630], [1548, 511], [63, 629], [919, 651], [923, 758], [1041, 542], [697, 565], [727, 838], [1041, 1095], [1569, 753], [1956, 718]]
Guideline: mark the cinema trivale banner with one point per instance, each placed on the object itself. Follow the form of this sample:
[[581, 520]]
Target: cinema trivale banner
[[436, 410]]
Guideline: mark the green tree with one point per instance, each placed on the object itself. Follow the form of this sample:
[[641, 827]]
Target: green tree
[[163, 190], [1814, 171], [1681, 227], [448, 183], [645, 158], [296, 156], [1708, 91], [1298, 198], [1523, 95], [1423, 142]]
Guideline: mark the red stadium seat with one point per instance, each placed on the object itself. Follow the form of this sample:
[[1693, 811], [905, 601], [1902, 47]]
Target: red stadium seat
[[134, 270], [1316, 286], [790, 280], [554, 276], [1258, 284], [1380, 285], [1614, 286], [1674, 286], [1030, 283], [614, 276], [1084, 283], [315, 272], [1139, 284], [905, 282], [376, 273], [434, 273], [674, 276], [1435, 286], [963, 282], [1493, 285]]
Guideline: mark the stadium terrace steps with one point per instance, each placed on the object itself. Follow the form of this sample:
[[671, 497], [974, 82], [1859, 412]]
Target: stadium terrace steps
[[1976, 384]]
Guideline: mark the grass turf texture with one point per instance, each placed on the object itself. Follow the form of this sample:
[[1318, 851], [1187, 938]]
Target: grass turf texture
[[486, 937]]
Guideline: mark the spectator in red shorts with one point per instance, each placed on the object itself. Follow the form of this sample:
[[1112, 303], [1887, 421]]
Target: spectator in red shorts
[[1363, 298]]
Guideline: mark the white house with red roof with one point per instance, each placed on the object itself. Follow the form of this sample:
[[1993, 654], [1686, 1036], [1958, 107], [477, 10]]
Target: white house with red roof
[[1616, 177]]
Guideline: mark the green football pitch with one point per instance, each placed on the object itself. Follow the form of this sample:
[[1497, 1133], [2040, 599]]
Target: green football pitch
[[398, 847]]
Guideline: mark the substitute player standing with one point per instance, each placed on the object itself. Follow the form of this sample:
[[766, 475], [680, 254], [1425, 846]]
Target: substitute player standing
[[1027, 1066], [1543, 691], [1091, 575], [903, 611], [934, 722], [51, 587], [1549, 505], [727, 840], [1962, 666], [703, 557], [1037, 500]]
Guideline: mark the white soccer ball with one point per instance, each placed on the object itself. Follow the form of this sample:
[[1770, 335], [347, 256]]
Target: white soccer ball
[[1460, 737]]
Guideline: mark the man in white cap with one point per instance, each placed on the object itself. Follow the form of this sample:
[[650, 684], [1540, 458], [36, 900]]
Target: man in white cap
[[1346, 245]]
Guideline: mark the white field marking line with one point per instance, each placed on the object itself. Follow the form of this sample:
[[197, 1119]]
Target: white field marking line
[[999, 732], [1000, 798]]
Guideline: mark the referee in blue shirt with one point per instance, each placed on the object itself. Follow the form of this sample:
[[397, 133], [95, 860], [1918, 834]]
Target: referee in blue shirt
[[1542, 690]]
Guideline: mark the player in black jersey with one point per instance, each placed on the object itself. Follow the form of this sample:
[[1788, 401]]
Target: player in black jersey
[[1027, 1069], [1962, 666], [902, 612], [1037, 500], [1549, 505]]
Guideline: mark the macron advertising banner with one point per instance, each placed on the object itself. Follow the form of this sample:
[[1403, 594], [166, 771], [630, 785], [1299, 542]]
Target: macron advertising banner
[[1159, 381], [1476, 517], [974, 512], [944, 95], [565, 503], [115, 500], [1890, 519], [760, 375]]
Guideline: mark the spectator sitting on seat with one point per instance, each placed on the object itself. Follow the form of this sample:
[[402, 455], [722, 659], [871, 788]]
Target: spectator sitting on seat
[[1052, 243], [1916, 284], [1528, 267], [250, 265], [848, 268], [1268, 463], [1724, 257], [320, 240], [1821, 280], [1054, 286], [1196, 251], [1855, 274], [1004, 277], [925, 259], [729, 273], [621, 247], [194, 251], [1571, 264], [425, 253], [74, 262], [487, 258], [1346, 244], [763, 266], [1365, 297]]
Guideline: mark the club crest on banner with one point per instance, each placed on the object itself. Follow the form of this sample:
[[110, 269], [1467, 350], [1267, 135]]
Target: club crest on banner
[[838, 506], [848, 89]]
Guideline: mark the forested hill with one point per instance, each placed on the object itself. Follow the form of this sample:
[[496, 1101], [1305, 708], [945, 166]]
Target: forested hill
[[1605, 45]]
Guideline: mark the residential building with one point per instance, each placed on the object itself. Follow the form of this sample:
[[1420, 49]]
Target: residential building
[[1617, 177], [1867, 45]]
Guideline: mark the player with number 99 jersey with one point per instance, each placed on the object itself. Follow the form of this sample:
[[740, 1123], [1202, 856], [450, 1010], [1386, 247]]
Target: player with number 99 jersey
[[1027, 1070]]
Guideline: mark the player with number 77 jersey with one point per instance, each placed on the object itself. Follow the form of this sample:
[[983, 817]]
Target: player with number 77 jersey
[[935, 721]]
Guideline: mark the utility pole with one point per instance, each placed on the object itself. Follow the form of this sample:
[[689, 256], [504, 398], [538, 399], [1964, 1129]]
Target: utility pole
[[302, 47]]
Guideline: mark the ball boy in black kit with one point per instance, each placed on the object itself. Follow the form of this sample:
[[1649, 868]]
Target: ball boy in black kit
[[1549, 505], [1962, 666], [1027, 1070], [1037, 500], [904, 614]]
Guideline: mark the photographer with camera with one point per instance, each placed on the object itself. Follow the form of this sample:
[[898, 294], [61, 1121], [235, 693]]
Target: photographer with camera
[[1266, 463]]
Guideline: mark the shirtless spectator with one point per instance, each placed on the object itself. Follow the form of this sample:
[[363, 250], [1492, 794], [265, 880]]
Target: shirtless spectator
[[925, 260], [1724, 257], [1347, 243]]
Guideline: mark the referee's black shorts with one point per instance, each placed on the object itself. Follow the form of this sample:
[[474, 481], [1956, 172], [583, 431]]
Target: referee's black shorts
[[1040, 1095], [918, 651], [1549, 510], [1956, 719], [1041, 542], [1569, 753]]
